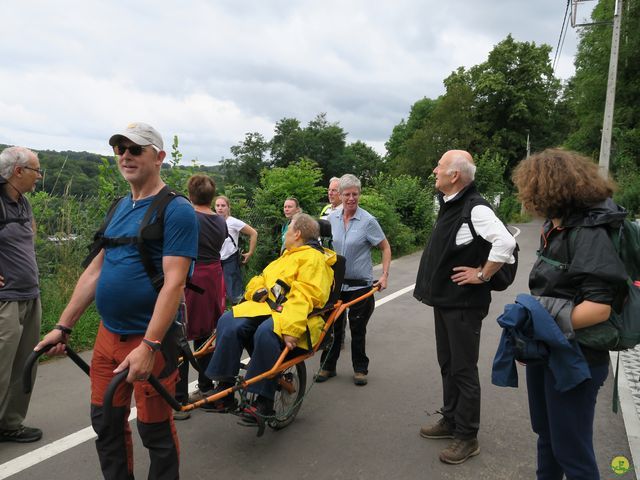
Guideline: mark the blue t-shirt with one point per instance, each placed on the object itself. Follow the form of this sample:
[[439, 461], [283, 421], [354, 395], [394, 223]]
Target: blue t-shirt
[[125, 297]]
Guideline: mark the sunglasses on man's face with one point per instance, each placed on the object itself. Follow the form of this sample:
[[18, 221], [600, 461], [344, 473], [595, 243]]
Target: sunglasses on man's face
[[135, 150]]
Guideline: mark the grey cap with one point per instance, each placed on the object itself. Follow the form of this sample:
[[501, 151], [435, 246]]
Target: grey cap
[[140, 134]]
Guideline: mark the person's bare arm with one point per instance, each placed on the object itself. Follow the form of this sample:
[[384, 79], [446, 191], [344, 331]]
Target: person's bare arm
[[589, 313], [386, 263], [253, 242]]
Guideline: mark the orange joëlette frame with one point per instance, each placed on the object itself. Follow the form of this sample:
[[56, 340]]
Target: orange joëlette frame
[[280, 364]]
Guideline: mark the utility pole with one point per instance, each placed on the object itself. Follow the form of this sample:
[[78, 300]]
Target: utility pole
[[607, 123]]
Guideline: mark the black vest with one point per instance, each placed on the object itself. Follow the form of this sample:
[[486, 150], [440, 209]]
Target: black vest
[[433, 283]]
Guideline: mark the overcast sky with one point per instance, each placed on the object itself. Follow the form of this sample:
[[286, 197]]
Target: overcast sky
[[74, 72]]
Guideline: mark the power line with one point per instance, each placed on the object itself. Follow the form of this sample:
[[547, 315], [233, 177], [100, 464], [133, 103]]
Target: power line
[[561, 37]]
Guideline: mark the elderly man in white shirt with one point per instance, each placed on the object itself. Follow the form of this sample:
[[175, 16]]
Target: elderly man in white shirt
[[453, 278]]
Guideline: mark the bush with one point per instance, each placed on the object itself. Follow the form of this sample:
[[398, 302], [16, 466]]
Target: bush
[[413, 202], [628, 179], [400, 237]]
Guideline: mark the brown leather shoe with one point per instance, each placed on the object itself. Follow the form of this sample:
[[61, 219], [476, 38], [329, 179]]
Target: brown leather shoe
[[441, 429], [459, 451], [324, 375]]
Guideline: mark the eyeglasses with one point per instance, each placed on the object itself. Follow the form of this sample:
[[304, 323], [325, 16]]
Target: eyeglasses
[[135, 150], [39, 171]]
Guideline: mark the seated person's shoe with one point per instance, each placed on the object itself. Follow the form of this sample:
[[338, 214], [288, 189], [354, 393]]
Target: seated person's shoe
[[257, 414], [21, 434], [324, 375], [223, 405], [360, 378]]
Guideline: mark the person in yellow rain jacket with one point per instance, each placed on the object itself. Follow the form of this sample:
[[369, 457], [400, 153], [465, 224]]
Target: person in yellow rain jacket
[[275, 313]]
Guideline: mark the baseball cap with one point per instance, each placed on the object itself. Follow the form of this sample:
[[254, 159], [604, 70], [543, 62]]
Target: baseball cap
[[140, 134]]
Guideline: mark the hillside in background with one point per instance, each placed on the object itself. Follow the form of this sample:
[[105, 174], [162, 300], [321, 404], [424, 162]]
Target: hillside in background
[[78, 171]]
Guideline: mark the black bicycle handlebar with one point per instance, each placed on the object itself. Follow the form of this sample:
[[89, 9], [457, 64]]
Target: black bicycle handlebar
[[27, 373], [107, 402]]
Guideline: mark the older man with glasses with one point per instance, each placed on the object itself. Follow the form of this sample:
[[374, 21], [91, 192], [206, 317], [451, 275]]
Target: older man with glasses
[[20, 310], [137, 311]]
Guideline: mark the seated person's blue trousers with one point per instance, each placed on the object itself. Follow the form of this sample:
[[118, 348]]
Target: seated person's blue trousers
[[257, 336]]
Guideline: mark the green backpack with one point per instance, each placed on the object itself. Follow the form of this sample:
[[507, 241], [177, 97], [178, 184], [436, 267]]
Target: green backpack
[[622, 330]]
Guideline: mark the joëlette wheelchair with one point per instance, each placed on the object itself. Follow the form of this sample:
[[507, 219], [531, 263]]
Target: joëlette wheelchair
[[289, 370]]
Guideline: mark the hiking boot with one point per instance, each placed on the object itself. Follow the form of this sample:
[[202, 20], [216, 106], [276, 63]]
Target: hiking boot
[[324, 375], [21, 434], [360, 378], [459, 451], [441, 429]]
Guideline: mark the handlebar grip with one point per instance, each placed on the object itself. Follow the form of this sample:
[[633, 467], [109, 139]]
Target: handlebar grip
[[33, 357], [27, 372], [107, 402]]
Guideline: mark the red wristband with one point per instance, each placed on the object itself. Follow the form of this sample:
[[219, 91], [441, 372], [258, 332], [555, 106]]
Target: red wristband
[[152, 345]]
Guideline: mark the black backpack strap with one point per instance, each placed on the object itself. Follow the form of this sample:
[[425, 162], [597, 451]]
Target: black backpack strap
[[232, 240], [154, 231], [466, 213], [98, 237], [569, 242], [4, 221]]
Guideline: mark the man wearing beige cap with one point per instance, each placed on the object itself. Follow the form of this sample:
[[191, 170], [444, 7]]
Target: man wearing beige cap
[[137, 307]]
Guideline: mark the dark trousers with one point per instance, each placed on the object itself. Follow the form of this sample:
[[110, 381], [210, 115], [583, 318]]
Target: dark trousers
[[564, 424], [359, 315], [233, 282], [458, 346], [257, 336], [204, 382]]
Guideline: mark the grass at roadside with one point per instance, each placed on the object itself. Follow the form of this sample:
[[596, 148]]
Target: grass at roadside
[[56, 291]]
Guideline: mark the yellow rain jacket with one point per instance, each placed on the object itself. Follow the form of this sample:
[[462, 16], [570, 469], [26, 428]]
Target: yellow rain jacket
[[309, 274]]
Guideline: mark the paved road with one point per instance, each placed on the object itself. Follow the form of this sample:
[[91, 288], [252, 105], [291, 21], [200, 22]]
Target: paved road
[[342, 431]]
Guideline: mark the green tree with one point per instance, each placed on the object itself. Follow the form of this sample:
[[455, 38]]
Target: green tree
[[249, 159], [418, 116], [515, 95], [491, 106], [299, 180], [287, 145], [412, 201], [362, 159]]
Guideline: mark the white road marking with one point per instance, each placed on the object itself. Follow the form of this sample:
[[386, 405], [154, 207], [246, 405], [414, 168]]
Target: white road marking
[[63, 444], [52, 449], [394, 295]]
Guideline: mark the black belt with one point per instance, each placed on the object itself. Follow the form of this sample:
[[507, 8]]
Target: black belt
[[355, 282]]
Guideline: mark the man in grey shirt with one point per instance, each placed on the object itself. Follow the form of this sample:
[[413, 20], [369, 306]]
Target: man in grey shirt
[[20, 310]]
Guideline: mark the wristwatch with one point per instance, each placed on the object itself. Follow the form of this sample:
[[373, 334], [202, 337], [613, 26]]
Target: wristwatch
[[482, 277]]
